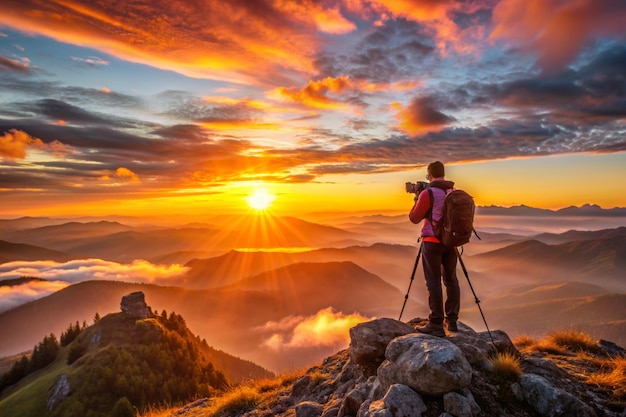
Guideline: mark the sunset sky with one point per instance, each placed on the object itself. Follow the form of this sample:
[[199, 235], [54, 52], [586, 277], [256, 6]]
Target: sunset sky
[[188, 107]]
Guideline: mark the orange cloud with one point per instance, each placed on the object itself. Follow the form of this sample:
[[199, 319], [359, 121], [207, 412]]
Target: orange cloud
[[316, 93], [122, 173], [260, 105], [437, 17], [331, 21], [15, 143], [557, 30], [228, 125], [326, 328], [421, 116], [236, 41]]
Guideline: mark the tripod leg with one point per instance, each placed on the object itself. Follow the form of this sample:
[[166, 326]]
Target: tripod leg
[[417, 259], [475, 297]]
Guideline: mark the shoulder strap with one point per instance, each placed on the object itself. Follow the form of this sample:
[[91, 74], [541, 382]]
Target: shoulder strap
[[429, 213]]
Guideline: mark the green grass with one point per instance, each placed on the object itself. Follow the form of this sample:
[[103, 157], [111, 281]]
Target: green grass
[[29, 397]]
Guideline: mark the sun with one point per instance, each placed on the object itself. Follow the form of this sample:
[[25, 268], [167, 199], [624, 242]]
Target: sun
[[260, 199]]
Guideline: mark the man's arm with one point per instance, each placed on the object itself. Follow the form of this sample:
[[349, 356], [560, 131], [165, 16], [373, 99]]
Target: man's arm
[[420, 208]]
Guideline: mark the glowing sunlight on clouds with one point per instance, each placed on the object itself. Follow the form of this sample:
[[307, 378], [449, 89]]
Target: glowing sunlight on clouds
[[165, 98], [316, 94], [59, 275], [554, 29], [80, 270], [327, 328], [331, 21], [15, 144], [123, 174]]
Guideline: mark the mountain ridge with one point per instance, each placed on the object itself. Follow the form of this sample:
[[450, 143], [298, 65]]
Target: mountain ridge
[[136, 354], [215, 313], [10, 251]]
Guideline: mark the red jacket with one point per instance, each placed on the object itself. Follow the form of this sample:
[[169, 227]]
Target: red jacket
[[422, 206]]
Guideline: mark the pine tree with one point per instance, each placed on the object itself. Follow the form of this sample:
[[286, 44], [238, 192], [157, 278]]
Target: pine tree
[[123, 408]]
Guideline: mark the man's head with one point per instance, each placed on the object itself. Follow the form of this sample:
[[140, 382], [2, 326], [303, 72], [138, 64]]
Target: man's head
[[436, 170]]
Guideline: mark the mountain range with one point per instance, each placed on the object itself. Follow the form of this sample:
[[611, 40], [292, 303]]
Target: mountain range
[[231, 318], [251, 288], [117, 242], [584, 210]]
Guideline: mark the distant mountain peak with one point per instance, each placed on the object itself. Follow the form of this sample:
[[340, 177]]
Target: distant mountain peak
[[584, 210]]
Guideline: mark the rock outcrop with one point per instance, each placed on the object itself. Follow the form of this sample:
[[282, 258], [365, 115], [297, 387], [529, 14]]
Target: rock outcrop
[[60, 391], [428, 364], [390, 370], [134, 306]]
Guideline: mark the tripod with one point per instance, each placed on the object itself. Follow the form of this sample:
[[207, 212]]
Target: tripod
[[419, 253], [475, 297], [406, 297]]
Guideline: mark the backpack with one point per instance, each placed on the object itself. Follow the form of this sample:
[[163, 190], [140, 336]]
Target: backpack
[[457, 221]]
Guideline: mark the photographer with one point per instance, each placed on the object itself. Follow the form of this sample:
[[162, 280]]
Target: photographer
[[439, 261]]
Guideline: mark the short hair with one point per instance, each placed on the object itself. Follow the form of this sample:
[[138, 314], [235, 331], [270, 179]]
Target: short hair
[[436, 169]]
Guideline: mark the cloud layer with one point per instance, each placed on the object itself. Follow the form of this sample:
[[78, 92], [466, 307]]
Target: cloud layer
[[13, 296], [301, 90], [327, 328], [57, 275]]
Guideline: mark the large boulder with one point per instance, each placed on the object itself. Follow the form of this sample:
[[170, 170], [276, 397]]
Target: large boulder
[[550, 401], [479, 347], [430, 365], [460, 405], [399, 401], [309, 409], [134, 306], [368, 341]]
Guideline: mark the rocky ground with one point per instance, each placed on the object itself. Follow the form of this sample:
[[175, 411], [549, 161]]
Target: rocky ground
[[392, 371]]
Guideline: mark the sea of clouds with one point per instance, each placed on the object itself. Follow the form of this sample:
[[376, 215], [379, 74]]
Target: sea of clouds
[[58, 275]]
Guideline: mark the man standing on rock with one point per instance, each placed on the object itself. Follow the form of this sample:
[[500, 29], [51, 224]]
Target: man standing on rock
[[439, 261]]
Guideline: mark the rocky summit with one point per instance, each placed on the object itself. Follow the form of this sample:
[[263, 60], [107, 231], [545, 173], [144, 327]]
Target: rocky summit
[[134, 306], [390, 370]]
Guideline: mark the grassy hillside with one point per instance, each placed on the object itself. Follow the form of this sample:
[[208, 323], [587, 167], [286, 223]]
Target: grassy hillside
[[152, 361], [28, 398]]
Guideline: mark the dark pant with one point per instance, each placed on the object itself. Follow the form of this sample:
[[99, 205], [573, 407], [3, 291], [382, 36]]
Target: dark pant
[[440, 262]]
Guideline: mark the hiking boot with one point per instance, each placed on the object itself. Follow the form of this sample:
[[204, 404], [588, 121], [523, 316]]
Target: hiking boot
[[452, 326], [432, 329]]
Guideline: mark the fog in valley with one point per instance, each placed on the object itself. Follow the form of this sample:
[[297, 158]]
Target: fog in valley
[[283, 292]]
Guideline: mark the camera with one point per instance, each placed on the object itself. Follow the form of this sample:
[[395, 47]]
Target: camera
[[416, 188]]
